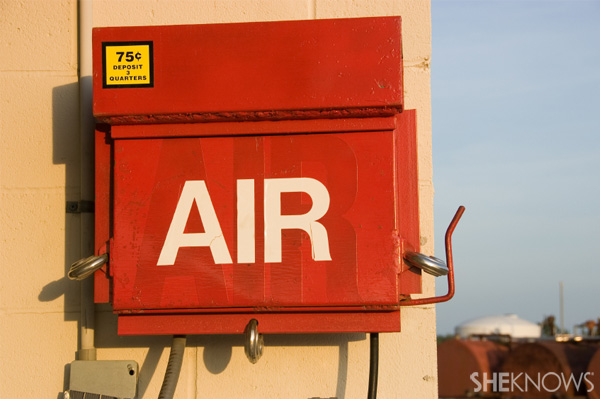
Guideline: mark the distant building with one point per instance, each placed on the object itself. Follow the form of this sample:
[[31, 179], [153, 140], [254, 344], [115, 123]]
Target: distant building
[[509, 324]]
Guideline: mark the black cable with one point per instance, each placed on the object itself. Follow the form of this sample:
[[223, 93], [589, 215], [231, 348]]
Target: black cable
[[373, 366]]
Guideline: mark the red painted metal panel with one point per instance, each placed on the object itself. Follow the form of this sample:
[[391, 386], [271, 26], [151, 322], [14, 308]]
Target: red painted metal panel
[[102, 188], [269, 323], [264, 128], [267, 70], [362, 227], [407, 191]]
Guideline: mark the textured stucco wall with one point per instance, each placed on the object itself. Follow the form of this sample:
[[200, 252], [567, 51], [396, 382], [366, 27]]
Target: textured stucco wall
[[39, 171]]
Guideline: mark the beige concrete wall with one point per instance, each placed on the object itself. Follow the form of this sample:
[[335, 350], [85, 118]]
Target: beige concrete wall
[[39, 172]]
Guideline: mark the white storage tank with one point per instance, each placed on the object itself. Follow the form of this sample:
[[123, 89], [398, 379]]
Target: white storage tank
[[509, 324]]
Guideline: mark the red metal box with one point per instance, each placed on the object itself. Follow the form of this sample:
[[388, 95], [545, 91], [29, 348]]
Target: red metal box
[[258, 170]]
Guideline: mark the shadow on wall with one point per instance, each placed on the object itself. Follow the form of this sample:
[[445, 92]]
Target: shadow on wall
[[217, 349], [65, 151]]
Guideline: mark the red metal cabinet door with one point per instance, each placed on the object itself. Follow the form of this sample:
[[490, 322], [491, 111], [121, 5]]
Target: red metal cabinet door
[[210, 180]]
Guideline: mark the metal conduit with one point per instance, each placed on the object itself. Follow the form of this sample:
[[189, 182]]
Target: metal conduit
[[87, 350]]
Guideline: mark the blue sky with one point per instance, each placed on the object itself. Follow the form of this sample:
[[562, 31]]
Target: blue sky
[[516, 140]]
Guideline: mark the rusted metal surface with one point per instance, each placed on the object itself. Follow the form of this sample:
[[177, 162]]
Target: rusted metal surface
[[271, 115], [458, 359], [547, 369], [593, 376]]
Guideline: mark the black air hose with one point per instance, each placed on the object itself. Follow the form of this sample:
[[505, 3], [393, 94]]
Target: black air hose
[[373, 366]]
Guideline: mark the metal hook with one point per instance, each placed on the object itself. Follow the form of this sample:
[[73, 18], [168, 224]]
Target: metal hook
[[253, 347], [86, 267], [436, 266]]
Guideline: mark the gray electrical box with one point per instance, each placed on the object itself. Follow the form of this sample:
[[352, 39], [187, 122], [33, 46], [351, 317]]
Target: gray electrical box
[[103, 378]]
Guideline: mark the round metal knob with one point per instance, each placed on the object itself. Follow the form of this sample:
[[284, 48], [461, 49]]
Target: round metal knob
[[254, 344], [428, 264]]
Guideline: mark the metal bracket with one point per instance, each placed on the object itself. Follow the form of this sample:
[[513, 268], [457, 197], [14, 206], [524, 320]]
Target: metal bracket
[[80, 207]]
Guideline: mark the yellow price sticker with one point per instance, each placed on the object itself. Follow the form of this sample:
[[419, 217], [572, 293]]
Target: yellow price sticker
[[127, 64]]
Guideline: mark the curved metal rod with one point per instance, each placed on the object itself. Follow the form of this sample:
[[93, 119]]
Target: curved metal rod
[[450, 294]]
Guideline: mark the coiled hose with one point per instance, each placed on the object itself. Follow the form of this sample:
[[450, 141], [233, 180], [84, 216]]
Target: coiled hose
[[167, 390]]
